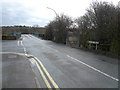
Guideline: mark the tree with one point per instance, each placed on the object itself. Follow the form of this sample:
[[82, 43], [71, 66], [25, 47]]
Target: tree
[[84, 27], [100, 24], [115, 48], [105, 21], [49, 32], [59, 27]]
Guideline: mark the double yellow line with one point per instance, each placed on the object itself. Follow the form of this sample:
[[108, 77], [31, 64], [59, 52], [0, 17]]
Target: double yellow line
[[38, 62], [41, 69]]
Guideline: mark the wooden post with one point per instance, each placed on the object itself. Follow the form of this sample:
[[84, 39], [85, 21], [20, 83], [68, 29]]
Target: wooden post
[[96, 46]]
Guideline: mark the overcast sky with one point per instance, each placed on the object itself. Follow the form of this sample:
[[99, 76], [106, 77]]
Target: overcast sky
[[34, 12]]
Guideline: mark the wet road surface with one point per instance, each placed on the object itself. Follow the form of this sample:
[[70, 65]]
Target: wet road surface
[[68, 67]]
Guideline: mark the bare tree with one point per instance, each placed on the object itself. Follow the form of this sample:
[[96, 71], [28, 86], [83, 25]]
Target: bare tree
[[59, 26]]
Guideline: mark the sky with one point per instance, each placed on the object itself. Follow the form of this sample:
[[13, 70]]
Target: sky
[[35, 12]]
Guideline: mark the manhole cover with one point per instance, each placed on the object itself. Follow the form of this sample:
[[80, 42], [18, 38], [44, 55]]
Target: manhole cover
[[12, 56]]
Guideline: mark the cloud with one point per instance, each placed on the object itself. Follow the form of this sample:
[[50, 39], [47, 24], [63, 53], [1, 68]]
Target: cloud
[[17, 13], [31, 12], [13, 13]]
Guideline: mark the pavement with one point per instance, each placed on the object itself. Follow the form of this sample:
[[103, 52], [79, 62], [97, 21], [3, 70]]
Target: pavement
[[62, 66]]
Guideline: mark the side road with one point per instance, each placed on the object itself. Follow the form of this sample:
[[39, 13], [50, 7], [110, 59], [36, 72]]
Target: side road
[[17, 72], [25, 71]]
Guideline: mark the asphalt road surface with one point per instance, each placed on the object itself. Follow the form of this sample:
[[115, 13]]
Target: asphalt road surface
[[68, 67]]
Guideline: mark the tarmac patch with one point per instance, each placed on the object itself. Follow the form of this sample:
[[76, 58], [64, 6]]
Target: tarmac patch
[[12, 56]]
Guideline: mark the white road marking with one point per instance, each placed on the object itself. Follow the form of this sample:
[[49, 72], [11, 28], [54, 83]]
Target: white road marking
[[53, 49], [21, 43], [46, 45], [18, 43], [25, 50], [93, 68], [23, 38], [87, 65], [56, 50]]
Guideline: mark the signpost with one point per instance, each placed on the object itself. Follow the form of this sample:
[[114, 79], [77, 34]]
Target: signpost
[[93, 42]]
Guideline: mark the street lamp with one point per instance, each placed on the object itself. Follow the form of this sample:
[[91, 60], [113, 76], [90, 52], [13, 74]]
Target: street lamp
[[53, 11], [57, 16]]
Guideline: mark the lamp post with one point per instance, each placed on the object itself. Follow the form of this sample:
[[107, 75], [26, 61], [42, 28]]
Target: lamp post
[[53, 11], [57, 16]]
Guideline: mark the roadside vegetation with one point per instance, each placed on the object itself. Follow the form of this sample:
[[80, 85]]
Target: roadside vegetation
[[100, 24], [98, 30]]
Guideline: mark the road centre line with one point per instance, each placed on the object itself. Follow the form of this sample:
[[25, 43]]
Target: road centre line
[[25, 50], [18, 43], [90, 66], [23, 47], [93, 68], [45, 46], [21, 43], [52, 48]]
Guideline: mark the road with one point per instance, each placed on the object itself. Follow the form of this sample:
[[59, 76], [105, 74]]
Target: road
[[68, 67]]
